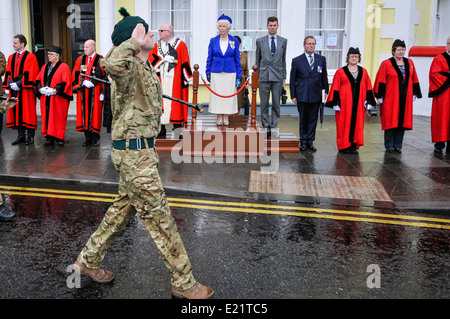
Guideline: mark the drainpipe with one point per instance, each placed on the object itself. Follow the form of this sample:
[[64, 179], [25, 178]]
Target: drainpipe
[[376, 37]]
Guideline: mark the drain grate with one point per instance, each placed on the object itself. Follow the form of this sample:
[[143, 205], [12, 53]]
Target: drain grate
[[342, 187]]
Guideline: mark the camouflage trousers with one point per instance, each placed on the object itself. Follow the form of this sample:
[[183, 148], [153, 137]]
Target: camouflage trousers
[[141, 192]]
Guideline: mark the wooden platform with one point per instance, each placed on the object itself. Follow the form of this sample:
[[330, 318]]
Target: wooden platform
[[239, 139]]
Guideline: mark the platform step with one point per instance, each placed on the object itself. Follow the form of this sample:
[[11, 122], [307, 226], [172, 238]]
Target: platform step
[[238, 139]]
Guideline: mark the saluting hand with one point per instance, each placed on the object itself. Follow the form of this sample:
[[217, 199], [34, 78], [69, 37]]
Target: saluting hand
[[139, 34]]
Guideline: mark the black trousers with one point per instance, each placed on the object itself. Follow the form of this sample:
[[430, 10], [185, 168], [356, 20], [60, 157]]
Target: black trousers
[[309, 115], [23, 131], [91, 136]]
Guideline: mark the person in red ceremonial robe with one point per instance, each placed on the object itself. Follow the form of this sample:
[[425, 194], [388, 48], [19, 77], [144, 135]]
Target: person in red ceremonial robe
[[90, 94], [170, 58], [440, 92], [396, 88], [20, 79], [350, 95], [54, 85]]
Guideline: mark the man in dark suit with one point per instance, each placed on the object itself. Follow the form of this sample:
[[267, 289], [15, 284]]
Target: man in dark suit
[[308, 78], [271, 62]]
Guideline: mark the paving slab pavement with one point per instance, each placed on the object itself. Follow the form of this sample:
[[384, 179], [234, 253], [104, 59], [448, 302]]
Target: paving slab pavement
[[417, 179]]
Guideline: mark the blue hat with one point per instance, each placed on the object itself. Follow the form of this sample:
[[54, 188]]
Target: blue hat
[[224, 17]]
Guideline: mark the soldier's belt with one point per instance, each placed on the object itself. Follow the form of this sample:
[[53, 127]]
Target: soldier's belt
[[137, 144]]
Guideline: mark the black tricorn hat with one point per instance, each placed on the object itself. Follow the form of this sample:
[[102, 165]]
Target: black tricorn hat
[[55, 49], [353, 51], [399, 43]]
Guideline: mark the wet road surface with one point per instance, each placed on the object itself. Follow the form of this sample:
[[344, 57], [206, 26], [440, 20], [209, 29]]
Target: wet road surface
[[243, 249]]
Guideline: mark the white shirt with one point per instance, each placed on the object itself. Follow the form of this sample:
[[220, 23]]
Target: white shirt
[[224, 46], [308, 56], [20, 52]]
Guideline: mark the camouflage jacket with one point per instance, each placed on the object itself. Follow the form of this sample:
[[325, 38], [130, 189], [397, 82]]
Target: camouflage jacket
[[136, 94], [2, 107]]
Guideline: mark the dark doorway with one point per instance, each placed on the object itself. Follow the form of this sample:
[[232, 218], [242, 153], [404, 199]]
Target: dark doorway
[[49, 23], [87, 30], [49, 27]]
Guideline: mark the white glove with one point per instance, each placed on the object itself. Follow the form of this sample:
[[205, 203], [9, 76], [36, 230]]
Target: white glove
[[414, 98], [168, 58], [88, 84], [14, 86], [47, 91], [368, 106], [336, 108], [42, 90], [380, 100], [102, 97]]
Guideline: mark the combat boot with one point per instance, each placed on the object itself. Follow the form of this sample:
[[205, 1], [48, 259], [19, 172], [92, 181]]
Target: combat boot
[[98, 275], [5, 215], [198, 291]]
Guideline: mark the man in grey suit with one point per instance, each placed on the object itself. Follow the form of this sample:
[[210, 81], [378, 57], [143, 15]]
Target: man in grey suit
[[271, 62]]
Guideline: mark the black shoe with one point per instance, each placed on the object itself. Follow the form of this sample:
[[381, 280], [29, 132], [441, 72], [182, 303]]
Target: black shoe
[[390, 150], [438, 147], [6, 215], [49, 143], [87, 142], [30, 140], [302, 147], [397, 150], [61, 143], [20, 139], [311, 147], [96, 143]]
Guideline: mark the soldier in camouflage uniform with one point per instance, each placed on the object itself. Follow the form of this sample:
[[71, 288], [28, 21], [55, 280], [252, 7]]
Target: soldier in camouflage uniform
[[137, 108], [5, 214]]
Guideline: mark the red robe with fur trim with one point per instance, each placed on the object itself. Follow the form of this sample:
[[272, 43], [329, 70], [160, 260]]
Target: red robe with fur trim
[[397, 92], [25, 71], [175, 82], [89, 106], [440, 92], [350, 95], [54, 108]]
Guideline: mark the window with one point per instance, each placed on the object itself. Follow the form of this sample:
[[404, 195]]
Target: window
[[174, 12], [249, 21], [325, 20]]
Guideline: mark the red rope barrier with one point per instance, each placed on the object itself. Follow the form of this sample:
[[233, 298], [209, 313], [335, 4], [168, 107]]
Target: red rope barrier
[[222, 96]]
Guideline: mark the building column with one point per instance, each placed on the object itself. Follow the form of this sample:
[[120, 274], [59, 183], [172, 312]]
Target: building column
[[106, 23], [7, 26]]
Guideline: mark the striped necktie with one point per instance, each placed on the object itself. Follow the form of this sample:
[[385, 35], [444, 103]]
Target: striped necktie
[[311, 62], [18, 59]]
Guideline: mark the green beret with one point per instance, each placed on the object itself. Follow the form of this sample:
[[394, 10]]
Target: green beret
[[124, 28]]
